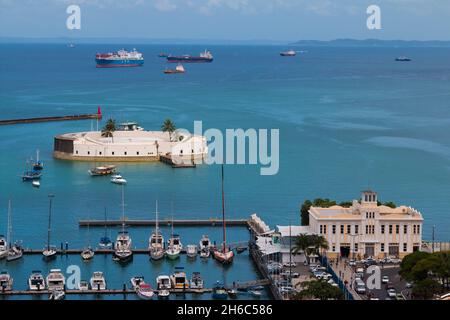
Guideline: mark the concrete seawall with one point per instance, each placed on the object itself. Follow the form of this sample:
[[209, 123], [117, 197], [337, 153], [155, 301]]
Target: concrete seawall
[[71, 157]]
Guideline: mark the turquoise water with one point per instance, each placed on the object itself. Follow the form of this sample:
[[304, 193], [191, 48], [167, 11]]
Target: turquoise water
[[349, 119]]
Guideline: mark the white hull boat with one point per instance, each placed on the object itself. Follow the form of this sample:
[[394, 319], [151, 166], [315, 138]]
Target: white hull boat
[[98, 281], [56, 280], [36, 281]]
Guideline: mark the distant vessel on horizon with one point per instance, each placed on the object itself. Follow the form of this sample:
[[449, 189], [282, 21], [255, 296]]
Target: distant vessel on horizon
[[402, 58], [289, 53], [205, 56], [121, 58], [178, 69]]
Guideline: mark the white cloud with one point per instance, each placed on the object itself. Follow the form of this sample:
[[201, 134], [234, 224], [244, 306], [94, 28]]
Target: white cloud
[[164, 5]]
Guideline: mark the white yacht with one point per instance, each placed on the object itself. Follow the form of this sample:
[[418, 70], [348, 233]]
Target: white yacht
[[205, 247], [179, 280], [97, 281], [123, 246], [196, 281], [15, 252], [174, 246], [156, 241], [191, 250], [55, 280], [136, 281], [36, 281], [145, 291], [87, 254], [118, 179], [3, 247], [6, 281], [163, 286], [83, 285]]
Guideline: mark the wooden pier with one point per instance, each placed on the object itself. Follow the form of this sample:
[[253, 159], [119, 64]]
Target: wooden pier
[[146, 223], [49, 119]]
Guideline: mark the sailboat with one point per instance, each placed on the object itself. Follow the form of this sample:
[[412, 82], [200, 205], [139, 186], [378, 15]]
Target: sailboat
[[156, 241], [175, 246], [105, 241], [49, 251], [224, 255], [3, 247], [88, 253], [31, 174], [15, 251], [122, 248]]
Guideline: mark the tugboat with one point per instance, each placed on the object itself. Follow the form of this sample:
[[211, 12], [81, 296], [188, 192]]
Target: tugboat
[[289, 53], [121, 58], [205, 56], [178, 69]]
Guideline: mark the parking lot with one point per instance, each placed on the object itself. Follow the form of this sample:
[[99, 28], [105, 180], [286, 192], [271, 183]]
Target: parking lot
[[394, 283]]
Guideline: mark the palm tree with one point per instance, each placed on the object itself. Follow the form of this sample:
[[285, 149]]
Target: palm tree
[[168, 126], [302, 243], [109, 128]]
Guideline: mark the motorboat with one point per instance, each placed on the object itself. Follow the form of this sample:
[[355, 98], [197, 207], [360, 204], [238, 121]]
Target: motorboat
[[219, 291], [83, 285], [403, 59], [36, 183], [145, 291], [36, 281], [87, 254], [57, 295], [55, 280], [118, 179], [196, 281], [232, 293], [136, 281], [205, 253], [102, 171], [179, 280], [98, 281], [6, 281], [3, 247], [191, 250], [156, 241], [204, 243], [163, 293], [163, 282]]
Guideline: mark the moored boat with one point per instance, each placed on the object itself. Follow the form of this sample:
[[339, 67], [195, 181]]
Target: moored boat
[[57, 295], [145, 291], [83, 285], [15, 251], [123, 246], [219, 291], [205, 247], [98, 281], [136, 281], [3, 247], [87, 254], [163, 282], [49, 251], [105, 241], [156, 241], [55, 280], [191, 251], [38, 164], [6, 281], [196, 281], [179, 279], [36, 183], [174, 245], [36, 281], [118, 179]]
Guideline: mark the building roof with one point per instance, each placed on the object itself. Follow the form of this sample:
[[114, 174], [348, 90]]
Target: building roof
[[295, 230]]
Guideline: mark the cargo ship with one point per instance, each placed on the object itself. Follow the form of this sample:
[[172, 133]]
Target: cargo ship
[[205, 56], [121, 58]]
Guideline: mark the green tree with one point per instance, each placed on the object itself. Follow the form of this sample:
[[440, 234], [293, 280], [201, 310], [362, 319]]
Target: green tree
[[425, 289], [319, 290], [168, 126], [109, 128], [304, 212], [409, 262]]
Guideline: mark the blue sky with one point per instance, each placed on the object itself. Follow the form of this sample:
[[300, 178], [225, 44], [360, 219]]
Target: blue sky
[[280, 20]]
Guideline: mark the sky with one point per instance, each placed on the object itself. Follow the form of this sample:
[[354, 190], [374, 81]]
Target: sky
[[277, 20]]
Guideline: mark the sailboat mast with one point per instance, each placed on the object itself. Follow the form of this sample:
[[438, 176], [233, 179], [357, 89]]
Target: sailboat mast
[[9, 231], [123, 210], [50, 197], [106, 227], [157, 225], [223, 217]]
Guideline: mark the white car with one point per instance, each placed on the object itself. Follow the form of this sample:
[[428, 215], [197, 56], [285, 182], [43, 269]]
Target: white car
[[289, 264], [352, 263], [391, 293], [385, 279]]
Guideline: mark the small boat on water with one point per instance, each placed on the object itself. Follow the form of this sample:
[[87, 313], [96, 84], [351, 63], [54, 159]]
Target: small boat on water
[[163, 282], [87, 254], [402, 59], [36, 281], [56, 280], [145, 291], [57, 295], [205, 243], [174, 246], [102, 171], [179, 69], [105, 241], [196, 281], [3, 247], [118, 179], [15, 252], [191, 251], [289, 53], [179, 279], [98, 281], [49, 251], [219, 291], [83, 285], [31, 175], [156, 241], [36, 183], [136, 281], [232, 293], [6, 281], [224, 255]]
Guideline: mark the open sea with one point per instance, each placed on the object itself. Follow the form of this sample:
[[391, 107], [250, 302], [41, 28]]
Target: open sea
[[349, 119]]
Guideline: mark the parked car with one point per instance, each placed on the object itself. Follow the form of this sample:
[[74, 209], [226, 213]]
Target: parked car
[[352, 262], [287, 289], [385, 279], [289, 264], [409, 285], [391, 293]]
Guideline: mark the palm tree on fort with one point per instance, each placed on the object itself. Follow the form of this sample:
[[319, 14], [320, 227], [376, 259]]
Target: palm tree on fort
[[109, 128], [168, 126]]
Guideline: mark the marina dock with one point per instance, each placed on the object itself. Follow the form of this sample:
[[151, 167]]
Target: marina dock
[[49, 119], [167, 159], [145, 223], [98, 292]]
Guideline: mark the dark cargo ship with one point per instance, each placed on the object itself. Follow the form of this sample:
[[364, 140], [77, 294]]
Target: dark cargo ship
[[205, 56]]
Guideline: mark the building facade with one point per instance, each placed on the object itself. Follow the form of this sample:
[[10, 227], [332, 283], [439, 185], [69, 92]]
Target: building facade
[[367, 229]]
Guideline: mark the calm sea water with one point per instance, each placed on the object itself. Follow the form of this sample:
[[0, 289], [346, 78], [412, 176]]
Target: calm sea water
[[349, 119]]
